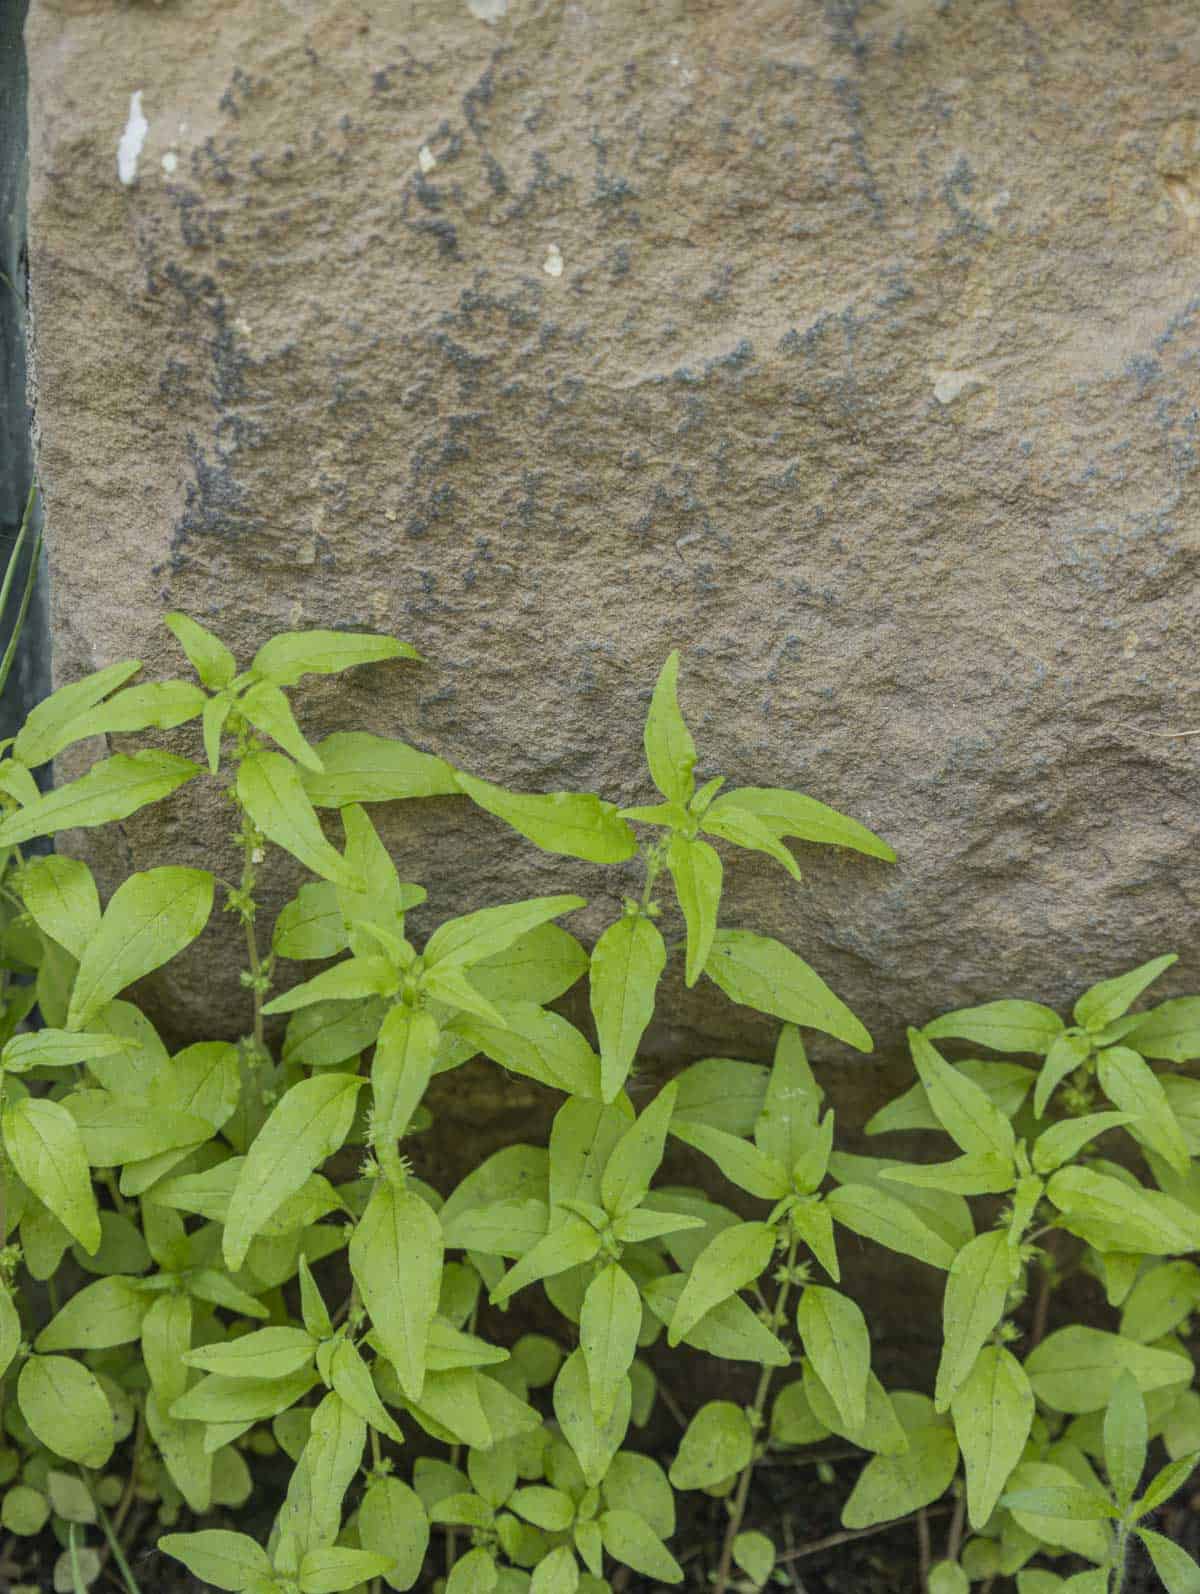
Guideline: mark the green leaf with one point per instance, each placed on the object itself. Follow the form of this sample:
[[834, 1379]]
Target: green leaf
[[1063, 1141], [396, 1260], [1103, 1003], [790, 813], [540, 1045], [639, 1484], [311, 924], [1075, 1369], [270, 790], [608, 1334], [758, 972], [1160, 1301], [1003, 1026], [723, 1092], [1070, 1502], [473, 1573], [112, 789], [47, 1151], [269, 711], [1126, 1438], [569, 1244], [733, 1259], [356, 978], [226, 1560], [56, 1048], [60, 895], [329, 1463], [392, 1521], [630, 1539], [502, 1228], [537, 967], [461, 942], [166, 1339], [360, 768], [1068, 1053], [976, 1294], [1170, 1031], [754, 1554], [635, 1158], [106, 1313], [42, 735], [66, 1408], [1114, 1215], [150, 918], [1087, 1537], [307, 1125], [10, 1331], [209, 657], [351, 1379], [670, 750], [730, 1330], [993, 1412], [329, 1569], [697, 872], [1165, 1483], [573, 824], [741, 1163], [1134, 1088], [1006, 1085], [787, 1125], [1179, 1573], [967, 1175], [626, 964], [158, 705], [218, 1399], [550, 1509], [793, 1421], [594, 1446], [889, 1221], [267, 1353], [291, 655], [814, 1225], [718, 1443], [725, 819], [881, 1430], [947, 1577], [836, 1341], [405, 1053], [895, 1486], [971, 1120]]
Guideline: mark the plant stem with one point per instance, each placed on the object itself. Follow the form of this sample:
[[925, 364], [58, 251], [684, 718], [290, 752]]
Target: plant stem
[[118, 1553], [1120, 1546], [832, 1540], [737, 1510], [954, 1537], [924, 1550]]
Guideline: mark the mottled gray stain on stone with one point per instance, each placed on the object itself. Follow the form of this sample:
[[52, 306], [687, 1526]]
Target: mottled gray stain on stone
[[869, 381]]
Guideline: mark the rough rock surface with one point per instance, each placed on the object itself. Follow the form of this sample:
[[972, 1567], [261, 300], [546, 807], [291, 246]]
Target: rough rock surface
[[850, 347]]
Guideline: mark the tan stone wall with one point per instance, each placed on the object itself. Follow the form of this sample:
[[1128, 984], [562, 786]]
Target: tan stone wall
[[852, 348]]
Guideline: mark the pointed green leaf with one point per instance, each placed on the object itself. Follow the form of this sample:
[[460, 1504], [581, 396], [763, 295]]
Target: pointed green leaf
[[733, 1259], [1063, 1141], [741, 1163], [106, 1313], [1134, 1088], [270, 790], [1179, 1573], [895, 1486], [761, 973], [267, 1353], [1114, 1215], [1126, 1438], [41, 736], [461, 942], [977, 1289], [573, 824], [626, 964], [150, 917], [1068, 1053], [718, 1443], [965, 1112], [269, 711], [594, 1445], [889, 1221], [1075, 1369], [725, 819], [307, 1125], [568, 1244], [226, 1560], [1170, 1031], [392, 1521], [1003, 1026], [1165, 1483], [670, 750], [361, 768], [291, 655], [993, 1413], [396, 1260], [1105, 1002], [635, 1158], [157, 705], [730, 1330], [697, 871], [47, 1151], [836, 1342], [207, 654], [112, 789], [609, 1325], [791, 813]]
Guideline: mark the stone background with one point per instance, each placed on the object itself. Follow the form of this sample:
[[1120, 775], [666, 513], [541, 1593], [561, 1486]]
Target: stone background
[[850, 347]]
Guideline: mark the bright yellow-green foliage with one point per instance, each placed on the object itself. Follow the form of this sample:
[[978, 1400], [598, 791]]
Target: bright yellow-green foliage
[[242, 1262]]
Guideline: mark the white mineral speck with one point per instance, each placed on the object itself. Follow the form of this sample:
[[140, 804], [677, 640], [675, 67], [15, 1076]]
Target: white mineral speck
[[426, 159], [132, 139], [488, 10], [553, 263], [170, 162]]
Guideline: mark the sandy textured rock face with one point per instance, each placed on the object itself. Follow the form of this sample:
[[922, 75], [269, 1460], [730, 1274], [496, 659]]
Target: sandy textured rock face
[[851, 348]]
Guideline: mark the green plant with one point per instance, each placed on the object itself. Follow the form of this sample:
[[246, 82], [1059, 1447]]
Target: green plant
[[241, 1262]]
